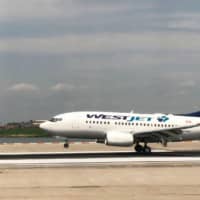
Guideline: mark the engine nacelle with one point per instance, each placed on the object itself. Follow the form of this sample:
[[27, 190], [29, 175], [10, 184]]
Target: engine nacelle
[[115, 138]]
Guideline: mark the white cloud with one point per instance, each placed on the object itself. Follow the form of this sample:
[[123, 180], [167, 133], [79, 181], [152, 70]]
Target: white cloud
[[52, 9], [182, 93], [185, 23], [182, 79], [62, 87], [188, 83], [31, 9], [23, 87], [102, 43]]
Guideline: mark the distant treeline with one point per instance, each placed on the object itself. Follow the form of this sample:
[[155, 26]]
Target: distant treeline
[[12, 125], [22, 132]]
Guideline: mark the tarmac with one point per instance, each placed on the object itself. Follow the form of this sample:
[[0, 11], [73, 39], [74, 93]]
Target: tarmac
[[87, 146], [102, 182]]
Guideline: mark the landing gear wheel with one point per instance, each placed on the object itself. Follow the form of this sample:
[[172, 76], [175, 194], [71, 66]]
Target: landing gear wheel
[[142, 149], [139, 148], [66, 145], [147, 149]]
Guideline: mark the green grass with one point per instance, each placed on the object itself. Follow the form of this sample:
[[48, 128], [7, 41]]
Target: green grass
[[23, 132]]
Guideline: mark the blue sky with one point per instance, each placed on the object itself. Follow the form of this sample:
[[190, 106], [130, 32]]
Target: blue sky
[[64, 55]]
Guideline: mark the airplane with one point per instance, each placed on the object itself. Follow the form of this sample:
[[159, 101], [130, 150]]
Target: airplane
[[125, 129]]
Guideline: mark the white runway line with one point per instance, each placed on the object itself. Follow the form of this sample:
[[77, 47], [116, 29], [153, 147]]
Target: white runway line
[[71, 161]]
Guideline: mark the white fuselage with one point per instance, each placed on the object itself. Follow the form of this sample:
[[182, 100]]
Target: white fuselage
[[95, 125]]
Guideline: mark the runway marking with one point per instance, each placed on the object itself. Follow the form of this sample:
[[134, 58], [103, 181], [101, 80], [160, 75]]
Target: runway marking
[[85, 161], [102, 158]]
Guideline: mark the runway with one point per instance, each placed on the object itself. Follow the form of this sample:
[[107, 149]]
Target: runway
[[103, 158]]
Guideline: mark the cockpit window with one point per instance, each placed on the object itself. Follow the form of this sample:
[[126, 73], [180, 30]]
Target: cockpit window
[[55, 119]]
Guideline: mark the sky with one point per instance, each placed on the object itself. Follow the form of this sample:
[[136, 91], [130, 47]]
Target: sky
[[60, 56]]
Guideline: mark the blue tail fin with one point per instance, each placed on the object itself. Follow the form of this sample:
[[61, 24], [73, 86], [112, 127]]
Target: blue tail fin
[[194, 114]]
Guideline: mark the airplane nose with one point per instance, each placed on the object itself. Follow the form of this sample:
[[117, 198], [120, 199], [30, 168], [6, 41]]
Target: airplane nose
[[44, 126]]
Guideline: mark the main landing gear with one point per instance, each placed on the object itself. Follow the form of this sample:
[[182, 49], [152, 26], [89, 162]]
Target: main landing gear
[[66, 145], [142, 149]]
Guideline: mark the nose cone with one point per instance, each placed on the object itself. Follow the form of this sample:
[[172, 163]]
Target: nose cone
[[44, 126]]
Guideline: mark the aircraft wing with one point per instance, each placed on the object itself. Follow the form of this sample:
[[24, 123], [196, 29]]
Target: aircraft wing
[[163, 135]]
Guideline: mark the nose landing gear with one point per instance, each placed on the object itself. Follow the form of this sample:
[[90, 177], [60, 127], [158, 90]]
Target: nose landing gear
[[142, 149], [66, 145]]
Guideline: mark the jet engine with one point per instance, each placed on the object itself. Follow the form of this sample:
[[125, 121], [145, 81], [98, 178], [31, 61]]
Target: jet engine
[[115, 138]]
